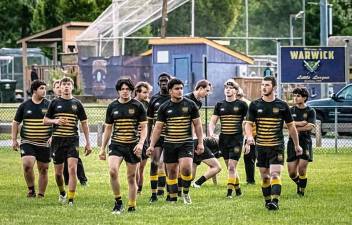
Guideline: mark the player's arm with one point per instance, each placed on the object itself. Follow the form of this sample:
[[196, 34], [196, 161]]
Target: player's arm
[[248, 127], [106, 138], [287, 116], [85, 129], [199, 133], [155, 136], [212, 124], [310, 123], [14, 132]]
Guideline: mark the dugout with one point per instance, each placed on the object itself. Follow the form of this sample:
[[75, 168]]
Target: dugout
[[192, 59]]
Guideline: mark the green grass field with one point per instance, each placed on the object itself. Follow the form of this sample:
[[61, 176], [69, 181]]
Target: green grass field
[[327, 201]]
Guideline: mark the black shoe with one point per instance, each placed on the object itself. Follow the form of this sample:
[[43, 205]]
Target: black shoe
[[238, 192], [250, 182], [273, 205], [131, 209], [118, 208], [83, 183], [31, 194], [266, 204], [153, 199], [300, 193], [168, 198], [179, 193]]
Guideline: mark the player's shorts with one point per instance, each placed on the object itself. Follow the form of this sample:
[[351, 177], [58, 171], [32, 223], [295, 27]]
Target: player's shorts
[[174, 151], [63, 148], [144, 151], [160, 142], [41, 154], [269, 155], [231, 146], [306, 145], [125, 151], [207, 154]]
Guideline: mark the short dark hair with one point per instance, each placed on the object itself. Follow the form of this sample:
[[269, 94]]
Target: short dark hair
[[174, 82], [126, 81], [272, 79], [142, 84], [56, 82], [302, 92], [164, 74], [36, 84], [67, 79], [202, 84]]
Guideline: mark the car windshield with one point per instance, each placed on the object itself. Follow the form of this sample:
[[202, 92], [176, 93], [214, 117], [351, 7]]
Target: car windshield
[[346, 93]]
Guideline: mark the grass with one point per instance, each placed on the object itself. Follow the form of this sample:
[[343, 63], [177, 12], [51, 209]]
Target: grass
[[327, 201]]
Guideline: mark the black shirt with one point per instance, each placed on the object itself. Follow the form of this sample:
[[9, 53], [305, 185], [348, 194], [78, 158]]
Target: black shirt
[[155, 102], [125, 118], [269, 118], [33, 130], [70, 109], [306, 114], [231, 116], [178, 119], [193, 98]]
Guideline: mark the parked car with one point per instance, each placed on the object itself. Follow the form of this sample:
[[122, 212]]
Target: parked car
[[325, 109]]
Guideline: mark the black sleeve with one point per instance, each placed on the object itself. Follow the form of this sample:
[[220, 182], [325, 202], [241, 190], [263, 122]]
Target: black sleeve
[[142, 113], [286, 114], [81, 113], [150, 110], [245, 109], [217, 109], [19, 113], [311, 116], [162, 113], [108, 117], [252, 113], [194, 110], [51, 110]]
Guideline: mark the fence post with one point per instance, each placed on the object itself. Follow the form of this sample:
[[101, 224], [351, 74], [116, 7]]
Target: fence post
[[336, 133], [318, 133], [99, 134]]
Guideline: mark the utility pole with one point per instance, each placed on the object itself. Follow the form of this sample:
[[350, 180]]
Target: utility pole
[[192, 15], [323, 22], [164, 19]]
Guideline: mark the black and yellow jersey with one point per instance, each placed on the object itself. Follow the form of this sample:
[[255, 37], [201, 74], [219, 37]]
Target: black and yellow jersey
[[125, 118], [306, 114], [31, 116], [70, 109], [178, 119], [154, 104], [231, 116], [193, 98], [269, 118]]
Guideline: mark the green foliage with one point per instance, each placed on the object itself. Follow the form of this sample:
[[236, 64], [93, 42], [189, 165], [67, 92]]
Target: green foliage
[[327, 199]]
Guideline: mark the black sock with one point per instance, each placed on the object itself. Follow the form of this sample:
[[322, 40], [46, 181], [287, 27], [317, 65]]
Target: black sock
[[62, 193], [118, 200], [31, 189], [201, 180]]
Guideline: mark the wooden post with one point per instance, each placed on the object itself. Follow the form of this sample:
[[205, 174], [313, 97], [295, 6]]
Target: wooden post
[[163, 19]]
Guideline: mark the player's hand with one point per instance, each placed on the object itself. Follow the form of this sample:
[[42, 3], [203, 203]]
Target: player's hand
[[200, 148], [61, 121], [87, 149], [15, 145], [138, 150], [299, 150], [150, 151], [250, 141], [49, 141], [102, 154]]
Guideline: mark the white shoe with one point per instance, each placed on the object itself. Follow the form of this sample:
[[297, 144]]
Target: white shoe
[[195, 185], [70, 204], [62, 199], [187, 199]]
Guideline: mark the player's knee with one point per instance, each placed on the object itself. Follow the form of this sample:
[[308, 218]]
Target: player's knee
[[131, 178], [113, 173], [43, 170], [27, 168]]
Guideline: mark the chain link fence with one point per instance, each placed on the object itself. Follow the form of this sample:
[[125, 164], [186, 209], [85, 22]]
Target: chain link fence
[[329, 137]]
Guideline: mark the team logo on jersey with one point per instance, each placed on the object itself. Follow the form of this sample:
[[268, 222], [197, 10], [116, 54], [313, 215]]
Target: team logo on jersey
[[276, 110], [237, 149], [222, 109], [260, 111], [157, 103], [59, 107], [280, 157], [74, 107], [131, 111], [236, 109], [116, 112], [29, 111], [305, 116], [169, 111], [294, 115], [185, 109], [44, 111]]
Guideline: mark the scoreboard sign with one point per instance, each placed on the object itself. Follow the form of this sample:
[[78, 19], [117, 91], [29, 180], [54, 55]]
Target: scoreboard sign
[[313, 65]]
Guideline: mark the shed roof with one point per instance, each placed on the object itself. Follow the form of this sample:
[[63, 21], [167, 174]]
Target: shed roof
[[197, 40]]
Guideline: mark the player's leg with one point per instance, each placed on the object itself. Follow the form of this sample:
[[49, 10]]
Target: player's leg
[[43, 177], [72, 182], [154, 161], [132, 186], [114, 166], [28, 162], [302, 171]]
